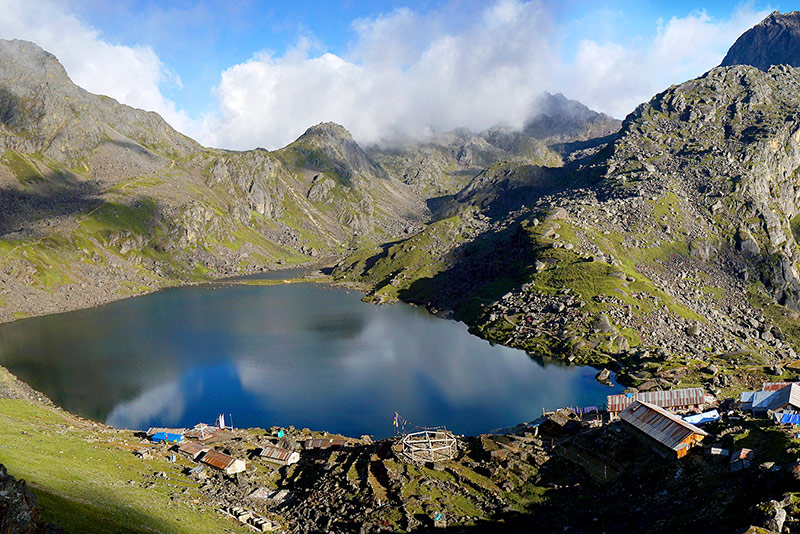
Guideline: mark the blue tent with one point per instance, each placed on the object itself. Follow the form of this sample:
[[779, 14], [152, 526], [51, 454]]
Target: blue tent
[[166, 436], [791, 418]]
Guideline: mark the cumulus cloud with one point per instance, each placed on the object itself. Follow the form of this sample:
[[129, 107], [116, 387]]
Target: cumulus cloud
[[616, 78], [405, 73], [131, 74]]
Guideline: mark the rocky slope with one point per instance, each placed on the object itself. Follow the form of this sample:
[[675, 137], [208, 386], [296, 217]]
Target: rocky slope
[[773, 41], [673, 247]]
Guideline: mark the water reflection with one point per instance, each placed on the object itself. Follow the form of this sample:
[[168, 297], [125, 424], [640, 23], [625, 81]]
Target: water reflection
[[298, 354]]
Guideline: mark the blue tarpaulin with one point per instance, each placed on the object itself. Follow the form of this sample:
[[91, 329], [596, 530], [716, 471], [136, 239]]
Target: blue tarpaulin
[[167, 436], [791, 418], [701, 418]]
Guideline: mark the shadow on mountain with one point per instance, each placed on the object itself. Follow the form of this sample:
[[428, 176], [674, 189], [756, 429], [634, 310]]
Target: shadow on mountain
[[481, 270], [43, 200], [568, 148]]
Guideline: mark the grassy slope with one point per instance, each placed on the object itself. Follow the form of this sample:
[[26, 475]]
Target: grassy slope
[[87, 479]]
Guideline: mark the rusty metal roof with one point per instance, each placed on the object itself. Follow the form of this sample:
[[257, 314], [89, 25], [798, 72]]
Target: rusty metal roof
[[673, 398], [775, 386], [661, 425], [217, 459], [276, 453], [192, 449]]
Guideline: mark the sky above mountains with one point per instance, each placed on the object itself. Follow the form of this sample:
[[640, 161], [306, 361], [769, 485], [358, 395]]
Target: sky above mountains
[[246, 73]]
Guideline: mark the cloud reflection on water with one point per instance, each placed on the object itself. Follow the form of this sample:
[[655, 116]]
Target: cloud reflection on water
[[298, 354]]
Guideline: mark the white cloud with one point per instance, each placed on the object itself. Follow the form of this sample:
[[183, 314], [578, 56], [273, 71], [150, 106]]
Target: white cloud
[[615, 78], [132, 75], [406, 72]]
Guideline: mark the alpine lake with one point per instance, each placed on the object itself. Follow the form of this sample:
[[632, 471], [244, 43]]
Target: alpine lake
[[302, 354]]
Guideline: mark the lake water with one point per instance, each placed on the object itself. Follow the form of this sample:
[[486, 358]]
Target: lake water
[[306, 355]]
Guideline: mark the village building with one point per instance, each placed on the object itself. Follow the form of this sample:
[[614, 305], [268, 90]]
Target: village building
[[158, 430], [279, 455], [228, 464], [773, 398], [673, 399], [786, 399], [192, 450], [158, 437], [663, 427]]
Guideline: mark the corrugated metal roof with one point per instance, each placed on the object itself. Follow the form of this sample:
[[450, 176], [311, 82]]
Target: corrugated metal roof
[[673, 398], [746, 397], [787, 396], [659, 424], [774, 386], [192, 449], [762, 399], [217, 459], [276, 453]]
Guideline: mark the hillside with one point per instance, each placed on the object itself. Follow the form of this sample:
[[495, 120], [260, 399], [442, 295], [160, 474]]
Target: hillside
[[102, 201], [669, 256]]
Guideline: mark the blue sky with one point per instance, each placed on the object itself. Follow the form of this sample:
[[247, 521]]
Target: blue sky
[[245, 73]]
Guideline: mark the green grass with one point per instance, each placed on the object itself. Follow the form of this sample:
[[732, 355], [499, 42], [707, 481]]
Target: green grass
[[88, 480], [23, 169]]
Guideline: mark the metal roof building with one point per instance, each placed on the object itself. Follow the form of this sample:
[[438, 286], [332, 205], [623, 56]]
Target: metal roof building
[[674, 398], [774, 386], [279, 455], [662, 426], [158, 437], [192, 450], [787, 397], [223, 462], [158, 430]]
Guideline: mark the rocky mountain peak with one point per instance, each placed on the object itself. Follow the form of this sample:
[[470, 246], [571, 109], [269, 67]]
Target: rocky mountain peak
[[24, 61], [328, 133], [330, 145], [559, 119], [773, 41]]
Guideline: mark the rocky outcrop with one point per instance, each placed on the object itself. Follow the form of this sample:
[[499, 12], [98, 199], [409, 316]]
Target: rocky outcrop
[[773, 41], [19, 510]]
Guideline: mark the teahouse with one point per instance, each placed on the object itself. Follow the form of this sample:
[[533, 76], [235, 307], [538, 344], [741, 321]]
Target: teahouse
[[663, 427]]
